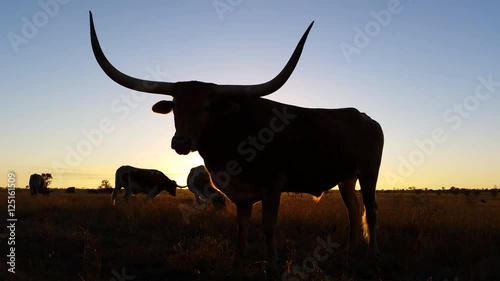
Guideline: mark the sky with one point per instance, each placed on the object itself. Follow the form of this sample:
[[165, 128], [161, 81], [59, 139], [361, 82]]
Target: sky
[[427, 71]]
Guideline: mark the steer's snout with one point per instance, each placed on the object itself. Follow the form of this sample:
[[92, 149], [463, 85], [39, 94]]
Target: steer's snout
[[181, 145]]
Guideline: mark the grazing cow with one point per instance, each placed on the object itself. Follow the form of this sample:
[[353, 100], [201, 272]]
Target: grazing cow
[[71, 189], [255, 148], [199, 184], [136, 180], [38, 185]]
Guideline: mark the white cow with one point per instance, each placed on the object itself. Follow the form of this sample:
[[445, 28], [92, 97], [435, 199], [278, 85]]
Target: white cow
[[136, 180], [200, 185]]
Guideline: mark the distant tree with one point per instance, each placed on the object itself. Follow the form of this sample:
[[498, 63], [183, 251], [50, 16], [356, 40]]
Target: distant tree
[[416, 190], [104, 184], [453, 190]]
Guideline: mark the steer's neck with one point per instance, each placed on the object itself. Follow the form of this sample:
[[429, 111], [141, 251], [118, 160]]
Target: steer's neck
[[243, 141]]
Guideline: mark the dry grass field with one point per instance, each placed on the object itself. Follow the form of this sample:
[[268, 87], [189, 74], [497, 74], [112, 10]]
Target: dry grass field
[[82, 237]]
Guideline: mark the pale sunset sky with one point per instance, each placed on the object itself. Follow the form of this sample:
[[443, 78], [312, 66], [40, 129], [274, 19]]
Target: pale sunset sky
[[427, 71]]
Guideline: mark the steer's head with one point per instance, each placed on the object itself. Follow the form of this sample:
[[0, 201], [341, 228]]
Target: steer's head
[[171, 188], [194, 103], [192, 107]]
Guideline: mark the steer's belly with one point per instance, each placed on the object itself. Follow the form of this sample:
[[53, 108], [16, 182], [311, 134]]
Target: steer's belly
[[236, 190], [135, 188]]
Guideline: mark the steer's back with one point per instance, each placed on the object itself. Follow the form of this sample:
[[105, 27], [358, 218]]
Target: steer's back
[[321, 147], [327, 146]]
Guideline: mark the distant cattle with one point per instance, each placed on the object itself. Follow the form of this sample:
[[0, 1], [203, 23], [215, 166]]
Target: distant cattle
[[71, 189], [37, 185], [137, 180], [200, 185]]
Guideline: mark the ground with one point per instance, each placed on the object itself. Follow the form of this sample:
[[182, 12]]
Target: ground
[[82, 237]]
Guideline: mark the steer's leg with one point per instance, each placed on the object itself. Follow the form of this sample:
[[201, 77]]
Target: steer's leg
[[128, 192], [118, 187], [152, 193], [355, 228], [243, 212], [114, 195], [368, 185], [369, 169], [270, 207]]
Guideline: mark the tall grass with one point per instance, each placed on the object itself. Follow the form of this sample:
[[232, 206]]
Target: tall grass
[[82, 237]]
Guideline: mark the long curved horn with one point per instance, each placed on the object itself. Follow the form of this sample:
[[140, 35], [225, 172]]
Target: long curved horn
[[270, 86], [164, 88]]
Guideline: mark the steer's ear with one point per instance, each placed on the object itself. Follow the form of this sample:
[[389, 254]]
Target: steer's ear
[[163, 107], [226, 107]]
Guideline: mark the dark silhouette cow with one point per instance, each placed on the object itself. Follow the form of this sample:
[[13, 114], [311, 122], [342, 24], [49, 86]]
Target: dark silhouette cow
[[199, 183], [70, 189], [137, 180], [255, 148], [38, 185]]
